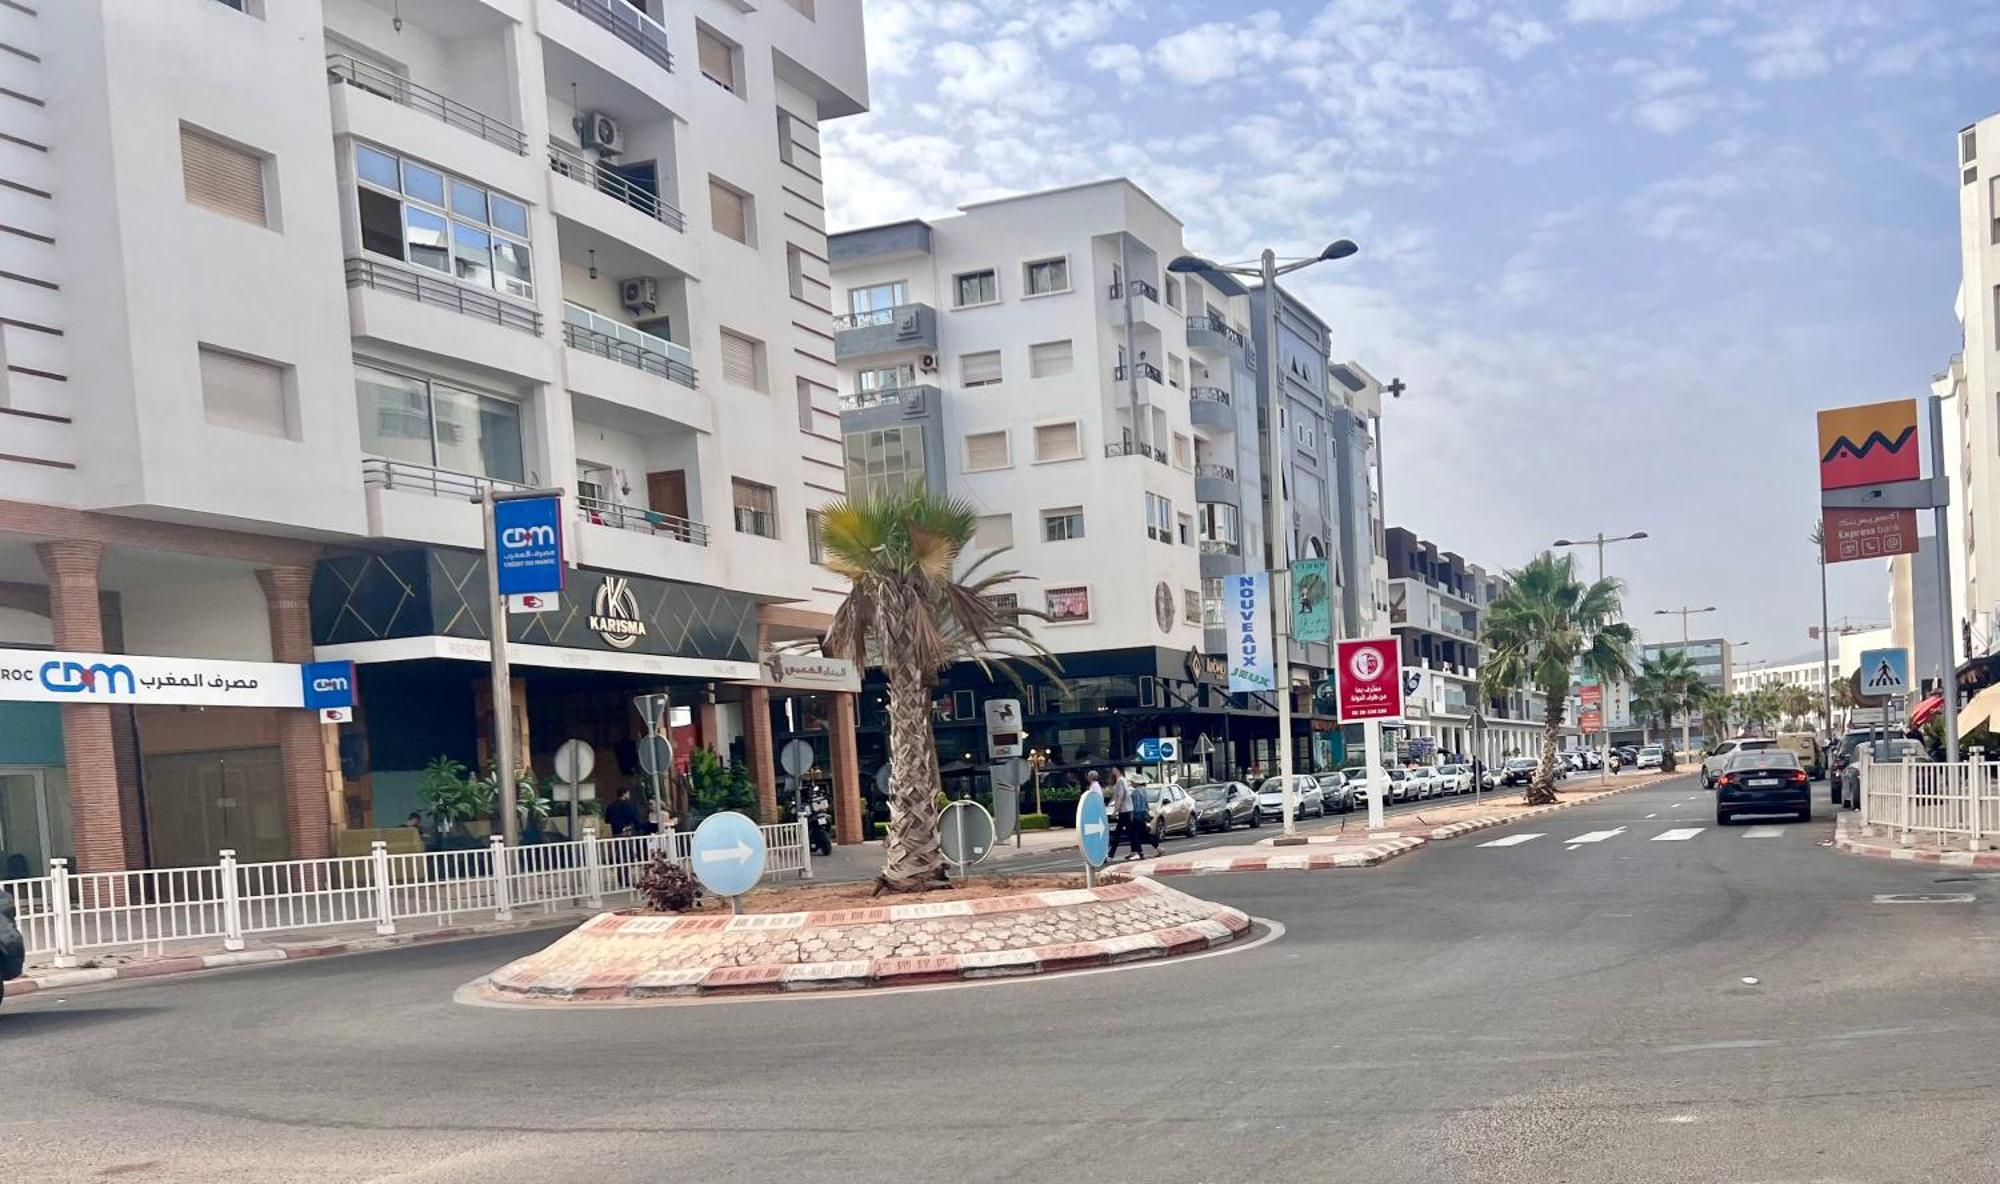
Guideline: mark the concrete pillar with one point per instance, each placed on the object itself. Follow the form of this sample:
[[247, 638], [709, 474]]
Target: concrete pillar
[[842, 723], [97, 816], [762, 751], [301, 750], [708, 720]]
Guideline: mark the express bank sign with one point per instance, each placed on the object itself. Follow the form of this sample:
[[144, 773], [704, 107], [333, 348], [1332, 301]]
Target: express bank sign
[[54, 676]]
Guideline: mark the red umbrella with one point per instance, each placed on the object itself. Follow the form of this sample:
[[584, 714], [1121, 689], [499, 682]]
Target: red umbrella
[[1925, 710]]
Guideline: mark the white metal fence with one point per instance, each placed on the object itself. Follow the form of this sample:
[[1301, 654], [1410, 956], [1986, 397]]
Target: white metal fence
[[1946, 800], [65, 912]]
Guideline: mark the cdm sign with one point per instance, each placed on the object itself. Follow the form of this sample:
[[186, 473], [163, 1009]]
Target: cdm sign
[[528, 552], [95, 678], [327, 684], [516, 537]]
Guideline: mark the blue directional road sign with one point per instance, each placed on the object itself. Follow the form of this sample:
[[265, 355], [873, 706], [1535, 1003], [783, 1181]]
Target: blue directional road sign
[[527, 535], [1093, 829], [1885, 672], [1157, 749], [728, 853]]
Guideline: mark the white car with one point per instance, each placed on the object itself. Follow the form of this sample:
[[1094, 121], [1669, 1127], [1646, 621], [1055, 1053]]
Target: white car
[[1650, 756], [1456, 778], [1399, 785], [1424, 782], [1713, 764]]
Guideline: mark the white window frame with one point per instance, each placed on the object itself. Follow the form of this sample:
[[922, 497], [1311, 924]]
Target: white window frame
[[774, 514], [1006, 516], [1058, 512], [966, 446], [1069, 342], [1034, 430], [998, 294], [451, 218], [1089, 598], [1028, 268], [999, 366]]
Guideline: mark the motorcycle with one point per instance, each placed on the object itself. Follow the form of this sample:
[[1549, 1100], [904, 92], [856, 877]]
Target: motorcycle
[[819, 825]]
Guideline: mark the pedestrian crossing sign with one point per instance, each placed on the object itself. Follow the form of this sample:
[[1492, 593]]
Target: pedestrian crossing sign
[[1885, 672]]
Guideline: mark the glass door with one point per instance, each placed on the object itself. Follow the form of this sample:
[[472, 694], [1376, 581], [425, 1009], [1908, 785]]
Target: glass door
[[27, 839]]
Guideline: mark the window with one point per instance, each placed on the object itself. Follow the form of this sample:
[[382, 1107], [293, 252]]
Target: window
[[1191, 606], [986, 450], [886, 378], [877, 303], [1060, 526], [1046, 276], [415, 214], [974, 288], [1218, 522], [884, 460], [716, 56], [1968, 145], [438, 425], [815, 546], [1159, 518], [223, 177], [593, 482], [1186, 524], [993, 532], [729, 211], [1046, 359], [1005, 603], [1173, 293], [742, 360], [1058, 441], [980, 369], [1211, 603], [248, 393], [805, 392], [1176, 371], [1067, 605], [756, 508], [1183, 452], [1306, 434]]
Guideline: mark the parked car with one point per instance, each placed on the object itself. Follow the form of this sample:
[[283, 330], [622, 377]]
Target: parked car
[[1767, 780], [1847, 783], [1841, 753], [1628, 754], [1223, 805], [13, 950], [1340, 794], [1399, 785], [1649, 756], [1456, 778], [1423, 782], [1355, 779], [1715, 762], [1519, 771], [1170, 810], [1806, 747], [1307, 799]]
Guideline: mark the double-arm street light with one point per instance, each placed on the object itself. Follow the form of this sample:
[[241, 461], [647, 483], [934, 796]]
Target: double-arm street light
[[1683, 612], [1600, 540], [1277, 520]]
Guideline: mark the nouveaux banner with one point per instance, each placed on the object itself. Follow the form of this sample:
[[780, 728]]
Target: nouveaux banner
[[57, 676], [1312, 599], [1246, 615]]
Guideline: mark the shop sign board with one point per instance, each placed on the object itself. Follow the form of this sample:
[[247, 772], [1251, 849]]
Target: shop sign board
[[61, 676], [808, 672], [527, 533], [1370, 673], [1246, 614]]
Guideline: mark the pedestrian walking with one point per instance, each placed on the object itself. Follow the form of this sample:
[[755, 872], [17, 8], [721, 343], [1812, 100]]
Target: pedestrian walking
[[1118, 804], [1140, 818]]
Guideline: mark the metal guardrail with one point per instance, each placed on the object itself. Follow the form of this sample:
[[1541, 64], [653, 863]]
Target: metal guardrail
[[411, 477], [1220, 547], [1944, 800], [622, 343], [876, 316], [888, 396], [1139, 288], [1210, 324], [1146, 370], [440, 292], [397, 89], [1145, 450], [629, 25], [583, 170], [1209, 394], [641, 520], [1216, 471]]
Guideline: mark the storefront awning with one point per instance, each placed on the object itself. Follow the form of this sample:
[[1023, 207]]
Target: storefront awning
[[1981, 710], [467, 649]]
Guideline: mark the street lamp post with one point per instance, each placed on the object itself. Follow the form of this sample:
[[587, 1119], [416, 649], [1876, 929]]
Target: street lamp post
[[1683, 612], [1600, 540], [1277, 520]]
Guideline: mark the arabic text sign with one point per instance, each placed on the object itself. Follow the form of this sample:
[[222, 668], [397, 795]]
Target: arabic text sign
[[1246, 616], [1873, 444], [1868, 534], [527, 533], [1370, 674], [54, 676]]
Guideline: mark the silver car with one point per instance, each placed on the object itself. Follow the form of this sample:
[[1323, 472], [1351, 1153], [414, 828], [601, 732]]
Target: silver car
[[1308, 798], [1170, 810]]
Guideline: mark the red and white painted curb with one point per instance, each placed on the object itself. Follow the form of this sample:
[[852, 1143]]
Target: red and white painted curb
[[1280, 859], [1887, 848]]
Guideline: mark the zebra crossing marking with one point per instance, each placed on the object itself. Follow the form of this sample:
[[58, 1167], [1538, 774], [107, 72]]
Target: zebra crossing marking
[[1510, 840], [1764, 832], [1679, 834]]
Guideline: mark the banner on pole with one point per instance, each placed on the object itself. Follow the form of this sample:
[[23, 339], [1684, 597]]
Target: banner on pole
[[1246, 612], [1312, 596], [1371, 679]]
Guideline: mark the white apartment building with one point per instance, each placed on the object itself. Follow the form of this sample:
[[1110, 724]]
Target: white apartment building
[[1035, 356], [1810, 674], [1969, 382], [290, 282]]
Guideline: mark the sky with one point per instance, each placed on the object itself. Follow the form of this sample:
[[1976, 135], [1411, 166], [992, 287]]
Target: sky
[[1619, 250]]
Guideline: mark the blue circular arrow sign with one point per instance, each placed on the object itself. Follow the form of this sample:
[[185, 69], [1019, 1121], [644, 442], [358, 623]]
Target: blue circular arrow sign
[[728, 853], [1093, 830]]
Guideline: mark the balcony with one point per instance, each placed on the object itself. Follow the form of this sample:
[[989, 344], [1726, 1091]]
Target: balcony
[[598, 512], [884, 330], [629, 25], [1140, 290], [400, 90], [439, 292], [1126, 448], [1215, 335], [1146, 370], [1220, 557], [915, 400], [581, 169], [606, 338], [406, 500], [1211, 407], [1214, 482]]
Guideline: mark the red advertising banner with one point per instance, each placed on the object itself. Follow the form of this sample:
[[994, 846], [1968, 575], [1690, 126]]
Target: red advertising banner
[[1591, 717], [1869, 534], [1369, 676]]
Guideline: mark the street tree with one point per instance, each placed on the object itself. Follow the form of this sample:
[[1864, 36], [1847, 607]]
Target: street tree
[[915, 609], [1544, 625], [1665, 687]]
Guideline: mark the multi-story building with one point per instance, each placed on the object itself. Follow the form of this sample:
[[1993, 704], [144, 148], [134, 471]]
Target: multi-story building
[[290, 284], [1967, 382], [1035, 356], [1808, 673], [1711, 657]]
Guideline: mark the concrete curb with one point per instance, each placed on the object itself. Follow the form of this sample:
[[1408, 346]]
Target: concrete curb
[[1288, 859], [1853, 844], [50, 979], [1221, 927]]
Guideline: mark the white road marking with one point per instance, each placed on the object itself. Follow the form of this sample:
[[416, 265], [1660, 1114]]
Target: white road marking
[[1510, 840], [1652, 815], [1763, 832], [1675, 806], [1598, 836], [1679, 834]]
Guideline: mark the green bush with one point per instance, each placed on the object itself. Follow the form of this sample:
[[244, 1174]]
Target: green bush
[[714, 787], [1061, 793], [1034, 822]]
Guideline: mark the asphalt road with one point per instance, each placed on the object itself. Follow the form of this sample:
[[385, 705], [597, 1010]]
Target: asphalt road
[[1728, 1005]]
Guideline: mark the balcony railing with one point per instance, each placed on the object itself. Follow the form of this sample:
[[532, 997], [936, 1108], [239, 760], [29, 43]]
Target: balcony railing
[[410, 477], [1139, 288], [1216, 471], [1215, 325], [629, 25], [577, 167], [875, 316], [439, 292], [1123, 448], [887, 396], [1209, 394], [1146, 370], [397, 89], [635, 518], [600, 335], [1220, 547]]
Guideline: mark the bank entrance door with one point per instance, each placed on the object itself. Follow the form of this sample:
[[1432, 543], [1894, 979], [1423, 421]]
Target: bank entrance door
[[34, 821], [198, 803]]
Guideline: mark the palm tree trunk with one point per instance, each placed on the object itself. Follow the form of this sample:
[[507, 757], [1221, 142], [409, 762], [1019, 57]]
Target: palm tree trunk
[[915, 859], [1542, 790]]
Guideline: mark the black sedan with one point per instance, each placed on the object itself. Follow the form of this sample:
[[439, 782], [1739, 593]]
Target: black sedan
[[1519, 771], [1221, 805], [1762, 781]]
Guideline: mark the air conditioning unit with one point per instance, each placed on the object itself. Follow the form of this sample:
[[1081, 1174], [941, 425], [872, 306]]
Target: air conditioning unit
[[927, 363], [602, 132], [640, 294]]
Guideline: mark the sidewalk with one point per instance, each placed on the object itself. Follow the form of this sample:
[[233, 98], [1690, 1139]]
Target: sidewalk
[[1850, 836]]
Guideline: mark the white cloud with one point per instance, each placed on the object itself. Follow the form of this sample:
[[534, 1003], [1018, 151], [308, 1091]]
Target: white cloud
[[1787, 54], [1078, 21], [1671, 113], [1001, 74], [1215, 51], [1618, 10], [1125, 61], [1516, 37]]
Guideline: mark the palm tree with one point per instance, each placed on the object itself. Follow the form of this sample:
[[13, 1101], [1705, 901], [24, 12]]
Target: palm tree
[[1718, 709], [1796, 704], [1546, 624], [916, 612], [1665, 688]]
